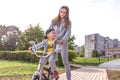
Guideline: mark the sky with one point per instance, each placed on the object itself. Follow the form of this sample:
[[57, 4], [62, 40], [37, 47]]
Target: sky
[[87, 16]]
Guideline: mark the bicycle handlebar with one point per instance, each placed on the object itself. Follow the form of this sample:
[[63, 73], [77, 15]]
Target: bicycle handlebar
[[34, 52]]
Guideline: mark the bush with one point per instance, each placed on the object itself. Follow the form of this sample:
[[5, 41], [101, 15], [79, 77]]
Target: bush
[[27, 56], [71, 56], [81, 54], [95, 53], [18, 55], [59, 62]]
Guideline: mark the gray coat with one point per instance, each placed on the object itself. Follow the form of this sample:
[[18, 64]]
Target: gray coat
[[62, 33]]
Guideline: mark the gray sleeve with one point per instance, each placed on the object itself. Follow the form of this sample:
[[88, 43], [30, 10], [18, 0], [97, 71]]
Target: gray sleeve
[[38, 46], [67, 34], [60, 35]]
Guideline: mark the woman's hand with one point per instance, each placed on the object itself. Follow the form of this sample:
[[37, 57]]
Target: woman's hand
[[59, 42]]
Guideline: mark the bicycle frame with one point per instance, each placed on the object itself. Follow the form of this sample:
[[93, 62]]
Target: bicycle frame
[[40, 75]]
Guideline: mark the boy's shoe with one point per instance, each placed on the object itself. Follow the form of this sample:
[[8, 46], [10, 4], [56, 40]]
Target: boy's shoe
[[55, 74]]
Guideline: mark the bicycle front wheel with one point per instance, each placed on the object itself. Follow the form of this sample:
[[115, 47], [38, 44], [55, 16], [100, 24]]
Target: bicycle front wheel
[[37, 76]]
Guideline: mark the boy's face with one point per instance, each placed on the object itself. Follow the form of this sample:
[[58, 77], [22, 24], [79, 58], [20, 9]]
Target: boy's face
[[51, 35]]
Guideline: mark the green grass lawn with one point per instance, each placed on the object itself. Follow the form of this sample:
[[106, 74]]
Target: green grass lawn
[[18, 70], [90, 61], [21, 70]]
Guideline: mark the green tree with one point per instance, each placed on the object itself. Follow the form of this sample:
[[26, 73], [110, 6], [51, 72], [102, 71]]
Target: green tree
[[2, 34], [33, 33], [8, 37], [95, 53], [81, 54], [71, 42]]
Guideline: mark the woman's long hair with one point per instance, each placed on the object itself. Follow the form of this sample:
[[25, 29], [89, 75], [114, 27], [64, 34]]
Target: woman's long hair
[[57, 20]]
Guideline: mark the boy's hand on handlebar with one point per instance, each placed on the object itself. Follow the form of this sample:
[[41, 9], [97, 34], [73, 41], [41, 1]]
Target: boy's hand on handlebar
[[56, 52], [30, 48]]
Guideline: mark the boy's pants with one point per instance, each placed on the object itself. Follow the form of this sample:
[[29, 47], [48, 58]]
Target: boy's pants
[[51, 59]]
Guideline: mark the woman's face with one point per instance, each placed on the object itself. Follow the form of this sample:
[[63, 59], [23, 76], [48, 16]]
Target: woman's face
[[62, 13], [51, 35]]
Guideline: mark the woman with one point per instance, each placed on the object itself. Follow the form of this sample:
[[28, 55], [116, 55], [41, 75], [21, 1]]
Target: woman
[[62, 26]]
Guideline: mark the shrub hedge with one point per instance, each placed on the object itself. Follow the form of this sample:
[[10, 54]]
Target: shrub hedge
[[95, 53], [27, 56], [72, 54], [18, 55]]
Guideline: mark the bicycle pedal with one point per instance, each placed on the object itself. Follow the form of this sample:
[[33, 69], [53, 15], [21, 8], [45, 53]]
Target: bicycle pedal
[[46, 69]]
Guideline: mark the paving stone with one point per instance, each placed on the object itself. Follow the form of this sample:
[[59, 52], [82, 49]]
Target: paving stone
[[87, 73]]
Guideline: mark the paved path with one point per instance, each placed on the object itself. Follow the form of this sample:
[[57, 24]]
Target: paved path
[[114, 64], [87, 73]]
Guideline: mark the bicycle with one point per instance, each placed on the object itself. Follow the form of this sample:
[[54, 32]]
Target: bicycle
[[41, 75]]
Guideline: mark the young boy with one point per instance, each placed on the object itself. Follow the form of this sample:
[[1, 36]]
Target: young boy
[[49, 44]]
